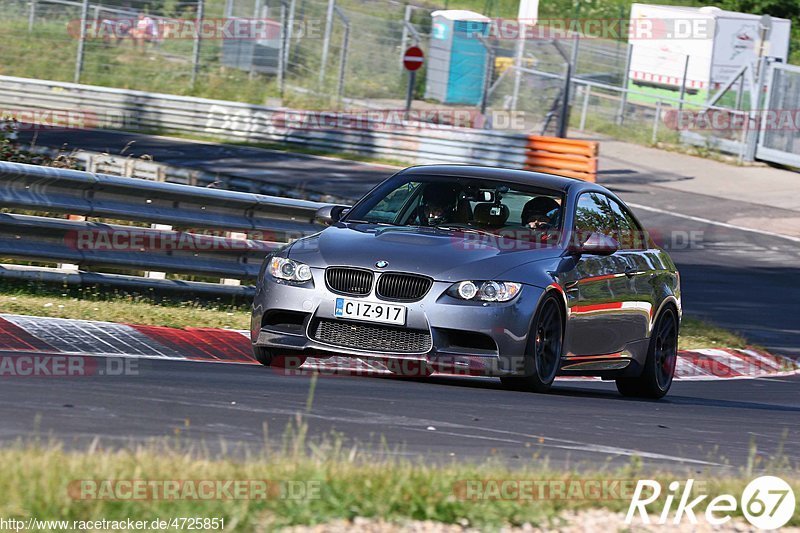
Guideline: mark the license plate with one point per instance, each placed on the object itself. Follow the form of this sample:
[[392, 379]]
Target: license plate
[[370, 311]]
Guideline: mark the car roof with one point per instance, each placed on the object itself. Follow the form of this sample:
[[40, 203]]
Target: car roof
[[524, 177]]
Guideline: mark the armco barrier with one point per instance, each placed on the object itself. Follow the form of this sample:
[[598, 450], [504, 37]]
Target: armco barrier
[[566, 157], [188, 249], [414, 142]]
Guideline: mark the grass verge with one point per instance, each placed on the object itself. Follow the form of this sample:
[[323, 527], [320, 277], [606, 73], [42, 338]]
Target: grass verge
[[92, 303], [328, 481]]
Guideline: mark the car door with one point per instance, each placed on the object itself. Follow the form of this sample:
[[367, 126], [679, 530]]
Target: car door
[[597, 287], [639, 269]]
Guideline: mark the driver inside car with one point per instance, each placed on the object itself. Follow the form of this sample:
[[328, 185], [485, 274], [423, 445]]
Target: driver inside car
[[439, 204], [541, 213]]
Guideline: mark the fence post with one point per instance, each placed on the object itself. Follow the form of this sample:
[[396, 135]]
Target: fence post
[[404, 39], [81, 42], [587, 92], [683, 83], [281, 51], [31, 15], [326, 40], [196, 46], [289, 34], [343, 54], [487, 78], [253, 57], [655, 122], [623, 100]]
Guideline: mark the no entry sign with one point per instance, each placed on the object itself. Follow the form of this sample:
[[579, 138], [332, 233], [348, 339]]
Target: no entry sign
[[413, 58]]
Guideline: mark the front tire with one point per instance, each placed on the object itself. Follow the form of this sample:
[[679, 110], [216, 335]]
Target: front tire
[[545, 342], [659, 368]]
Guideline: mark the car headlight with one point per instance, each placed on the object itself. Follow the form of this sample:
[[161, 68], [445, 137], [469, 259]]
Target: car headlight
[[285, 268], [485, 291]]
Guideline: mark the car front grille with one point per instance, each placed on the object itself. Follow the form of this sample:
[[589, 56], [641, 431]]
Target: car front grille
[[349, 280], [372, 337], [402, 287]]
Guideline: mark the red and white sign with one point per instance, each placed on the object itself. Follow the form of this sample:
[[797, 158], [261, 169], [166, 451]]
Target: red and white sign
[[413, 58]]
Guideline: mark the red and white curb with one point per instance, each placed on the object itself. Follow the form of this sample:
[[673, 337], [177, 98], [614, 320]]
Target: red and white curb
[[20, 334]]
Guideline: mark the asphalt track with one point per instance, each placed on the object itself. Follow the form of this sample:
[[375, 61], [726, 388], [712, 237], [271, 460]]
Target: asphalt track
[[740, 279]]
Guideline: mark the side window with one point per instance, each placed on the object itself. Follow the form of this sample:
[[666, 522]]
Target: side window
[[629, 234], [593, 215]]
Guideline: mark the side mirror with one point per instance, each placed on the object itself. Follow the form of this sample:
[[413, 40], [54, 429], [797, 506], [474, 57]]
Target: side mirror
[[330, 214], [596, 244]]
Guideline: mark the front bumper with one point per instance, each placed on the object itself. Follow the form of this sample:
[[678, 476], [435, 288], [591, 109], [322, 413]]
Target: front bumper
[[490, 337]]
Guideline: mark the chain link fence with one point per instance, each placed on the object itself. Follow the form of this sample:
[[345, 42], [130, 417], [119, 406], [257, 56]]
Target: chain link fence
[[347, 54]]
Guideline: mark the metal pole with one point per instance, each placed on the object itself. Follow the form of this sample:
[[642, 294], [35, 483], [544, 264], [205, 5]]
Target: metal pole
[[563, 116], [228, 9], [412, 80], [740, 94], [196, 47], [289, 35], [342, 55], [655, 122], [326, 40], [81, 42], [623, 99], [518, 64], [683, 83], [282, 50], [257, 21], [487, 79], [404, 39], [32, 16], [587, 91]]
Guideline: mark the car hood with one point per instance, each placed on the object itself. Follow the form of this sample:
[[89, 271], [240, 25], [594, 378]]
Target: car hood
[[442, 255]]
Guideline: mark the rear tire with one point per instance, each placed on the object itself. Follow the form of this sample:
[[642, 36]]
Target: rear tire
[[659, 368], [545, 342]]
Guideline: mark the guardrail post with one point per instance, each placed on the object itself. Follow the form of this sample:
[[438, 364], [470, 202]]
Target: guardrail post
[[82, 42], [239, 236], [158, 275], [71, 266], [196, 46]]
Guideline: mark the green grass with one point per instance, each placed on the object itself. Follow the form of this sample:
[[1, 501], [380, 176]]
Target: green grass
[[91, 303], [337, 481]]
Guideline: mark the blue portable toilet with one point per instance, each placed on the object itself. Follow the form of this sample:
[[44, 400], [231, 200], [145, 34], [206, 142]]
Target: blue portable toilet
[[456, 57]]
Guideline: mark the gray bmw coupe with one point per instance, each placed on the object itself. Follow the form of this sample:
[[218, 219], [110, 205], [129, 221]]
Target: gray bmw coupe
[[466, 269]]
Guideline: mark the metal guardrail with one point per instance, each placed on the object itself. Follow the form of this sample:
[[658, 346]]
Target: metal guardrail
[[226, 252], [130, 110]]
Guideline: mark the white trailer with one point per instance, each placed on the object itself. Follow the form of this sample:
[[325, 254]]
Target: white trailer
[[707, 43]]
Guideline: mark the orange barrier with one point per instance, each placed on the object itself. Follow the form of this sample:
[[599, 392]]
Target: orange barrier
[[566, 157]]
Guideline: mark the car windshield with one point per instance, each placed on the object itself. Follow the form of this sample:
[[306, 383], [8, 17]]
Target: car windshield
[[464, 204]]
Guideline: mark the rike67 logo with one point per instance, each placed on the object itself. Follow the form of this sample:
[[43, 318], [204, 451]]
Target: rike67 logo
[[767, 502]]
